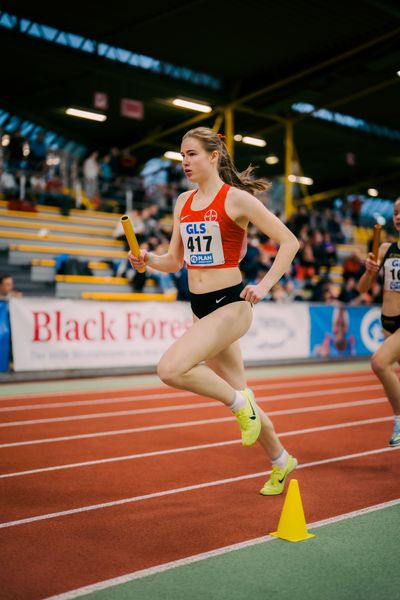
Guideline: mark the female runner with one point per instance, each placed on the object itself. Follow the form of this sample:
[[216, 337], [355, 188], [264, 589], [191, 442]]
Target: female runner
[[209, 235], [385, 358]]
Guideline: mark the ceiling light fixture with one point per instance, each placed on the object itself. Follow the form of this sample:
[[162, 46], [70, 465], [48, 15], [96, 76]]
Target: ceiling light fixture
[[372, 192], [191, 105], [272, 159], [85, 114], [303, 180], [171, 155], [254, 141]]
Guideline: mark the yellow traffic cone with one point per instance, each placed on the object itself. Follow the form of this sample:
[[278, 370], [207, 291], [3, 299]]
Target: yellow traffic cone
[[292, 523]]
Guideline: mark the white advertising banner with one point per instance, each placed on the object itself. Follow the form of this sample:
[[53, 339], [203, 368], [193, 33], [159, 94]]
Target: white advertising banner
[[52, 333], [77, 334], [277, 331]]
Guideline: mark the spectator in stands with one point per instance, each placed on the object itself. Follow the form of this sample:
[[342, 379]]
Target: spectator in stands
[[251, 263], [324, 291], [54, 194], [278, 294], [114, 162], [347, 230], [165, 281], [38, 183], [7, 290], [349, 293], [306, 288], [268, 250], [8, 184], [174, 175], [317, 219], [139, 191], [151, 225], [105, 174], [182, 285], [127, 164], [333, 227], [319, 251], [175, 179], [91, 175], [330, 293], [298, 220], [306, 259], [352, 266], [355, 210], [330, 251], [292, 293], [304, 233], [38, 152], [15, 151]]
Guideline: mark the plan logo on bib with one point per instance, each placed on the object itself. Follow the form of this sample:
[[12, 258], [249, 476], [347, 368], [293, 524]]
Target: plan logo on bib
[[371, 330]]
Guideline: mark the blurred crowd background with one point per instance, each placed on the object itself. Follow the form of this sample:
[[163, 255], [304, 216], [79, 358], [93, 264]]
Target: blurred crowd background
[[326, 268]]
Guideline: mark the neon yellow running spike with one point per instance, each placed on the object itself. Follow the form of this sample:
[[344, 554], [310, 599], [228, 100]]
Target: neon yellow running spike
[[395, 439], [249, 419], [276, 482]]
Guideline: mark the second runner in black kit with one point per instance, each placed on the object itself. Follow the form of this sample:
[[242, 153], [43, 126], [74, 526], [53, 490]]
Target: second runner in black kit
[[209, 235], [385, 359]]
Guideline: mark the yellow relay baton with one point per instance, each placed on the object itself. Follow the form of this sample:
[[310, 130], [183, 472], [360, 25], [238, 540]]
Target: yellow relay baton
[[375, 240], [131, 237]]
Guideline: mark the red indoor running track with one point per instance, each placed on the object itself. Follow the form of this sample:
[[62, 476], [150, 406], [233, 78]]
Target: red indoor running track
[[96, 485]]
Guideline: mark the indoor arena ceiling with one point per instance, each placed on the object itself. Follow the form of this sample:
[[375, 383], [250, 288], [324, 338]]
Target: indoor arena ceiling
[[267, 60]]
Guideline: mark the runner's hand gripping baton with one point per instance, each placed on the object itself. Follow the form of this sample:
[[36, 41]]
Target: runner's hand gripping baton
[[131, 237], [375, 240]]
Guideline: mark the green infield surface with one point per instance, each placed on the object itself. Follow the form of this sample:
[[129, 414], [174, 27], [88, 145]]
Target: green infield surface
[[353, 557]]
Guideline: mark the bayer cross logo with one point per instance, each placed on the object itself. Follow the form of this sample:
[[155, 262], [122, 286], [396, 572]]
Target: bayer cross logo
[[211, 215]]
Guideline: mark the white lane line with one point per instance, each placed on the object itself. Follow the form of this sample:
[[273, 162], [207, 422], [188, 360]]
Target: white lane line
[[101, 461], [116, 400], [288, 411], [128, 577], [276, 385], [82, 436], [117, 413], [27, 407], [161, 409], [188, 488]]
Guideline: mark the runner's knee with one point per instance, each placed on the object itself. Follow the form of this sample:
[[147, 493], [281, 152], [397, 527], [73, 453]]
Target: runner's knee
[[378, 365], [168, 371]]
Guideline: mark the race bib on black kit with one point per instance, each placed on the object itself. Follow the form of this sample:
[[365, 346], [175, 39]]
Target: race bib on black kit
[[392, 274], [202, 243]]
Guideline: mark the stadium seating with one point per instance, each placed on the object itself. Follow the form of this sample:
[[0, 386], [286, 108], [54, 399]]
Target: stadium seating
[[22, 254], [72, 286], [44, 269]]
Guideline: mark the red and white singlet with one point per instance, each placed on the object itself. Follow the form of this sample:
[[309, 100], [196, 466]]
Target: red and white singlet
[[210, 237]]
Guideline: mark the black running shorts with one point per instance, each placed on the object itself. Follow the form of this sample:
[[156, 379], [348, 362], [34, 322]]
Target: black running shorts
[[390, 324], [204, 304]]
